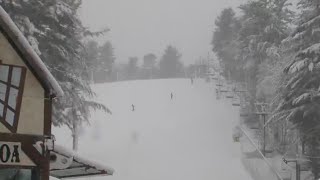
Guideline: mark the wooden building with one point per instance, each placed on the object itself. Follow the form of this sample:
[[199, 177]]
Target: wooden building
[[27, 90]]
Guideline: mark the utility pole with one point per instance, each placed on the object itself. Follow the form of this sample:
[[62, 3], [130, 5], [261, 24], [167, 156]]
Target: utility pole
[[264, 134], [297, 171]]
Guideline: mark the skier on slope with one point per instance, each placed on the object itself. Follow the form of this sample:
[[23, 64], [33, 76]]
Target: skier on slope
[[171, 95], [132, 107]]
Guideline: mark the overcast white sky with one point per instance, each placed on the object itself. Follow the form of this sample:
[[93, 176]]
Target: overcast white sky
[[139, 27]]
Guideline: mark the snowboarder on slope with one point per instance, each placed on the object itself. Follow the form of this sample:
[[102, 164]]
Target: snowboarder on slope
[[132, 107], [171, 95]]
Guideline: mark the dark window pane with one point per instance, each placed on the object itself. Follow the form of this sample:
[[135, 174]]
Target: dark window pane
[[10, 117], [13, 94], [1, 109], [4, 72], [15, 174], [16, 75], [3, 90]]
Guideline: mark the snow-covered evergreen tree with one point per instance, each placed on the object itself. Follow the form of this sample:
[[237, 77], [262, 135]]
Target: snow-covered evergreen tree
[[149, 66], [132, 68], [269, 70], [300, 97], [248, 45], [224, 42], [99, 60], [91, 55], [264, 25], [106, 61], [170, 65], [55, 31]]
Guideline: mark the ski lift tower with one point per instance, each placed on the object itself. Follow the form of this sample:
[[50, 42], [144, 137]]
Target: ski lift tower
[[241, 90], [262, 110]]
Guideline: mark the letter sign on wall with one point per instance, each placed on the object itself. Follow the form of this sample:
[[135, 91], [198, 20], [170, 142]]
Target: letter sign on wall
[[12, 154]]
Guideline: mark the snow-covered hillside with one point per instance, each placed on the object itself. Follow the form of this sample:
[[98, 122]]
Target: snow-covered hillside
[[188, 137]]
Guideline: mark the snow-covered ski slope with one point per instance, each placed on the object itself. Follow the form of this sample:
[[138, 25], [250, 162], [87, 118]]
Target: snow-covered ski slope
[[186, 138]]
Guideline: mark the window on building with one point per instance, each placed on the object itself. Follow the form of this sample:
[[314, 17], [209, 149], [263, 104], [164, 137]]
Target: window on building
[[18, 174], [11, 89]]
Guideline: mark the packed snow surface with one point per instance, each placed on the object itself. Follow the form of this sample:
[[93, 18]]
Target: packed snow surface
[[187, 137]]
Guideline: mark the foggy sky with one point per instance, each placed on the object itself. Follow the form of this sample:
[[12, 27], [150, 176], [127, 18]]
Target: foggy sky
[[139, 27]]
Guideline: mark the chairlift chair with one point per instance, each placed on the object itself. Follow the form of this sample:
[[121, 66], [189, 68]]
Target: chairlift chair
[[244, 115], [236, 134], [223, 90], [236, 139], [229, 95], [219, 83], [235, 101], [214, 78]]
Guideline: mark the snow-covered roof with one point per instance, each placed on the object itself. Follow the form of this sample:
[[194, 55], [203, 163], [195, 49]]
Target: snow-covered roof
[[32, 59], [77, 167], [53, 178]]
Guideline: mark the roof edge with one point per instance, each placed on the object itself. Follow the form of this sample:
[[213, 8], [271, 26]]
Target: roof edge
[[80, 159], [31, 56]]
